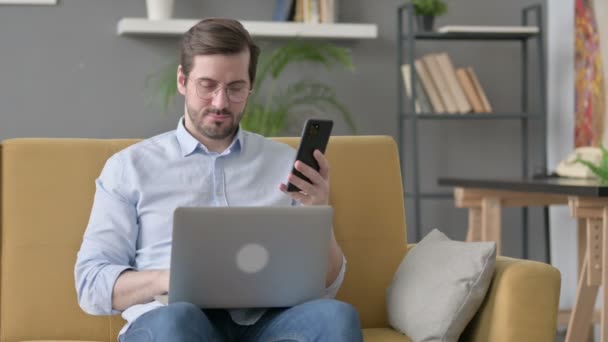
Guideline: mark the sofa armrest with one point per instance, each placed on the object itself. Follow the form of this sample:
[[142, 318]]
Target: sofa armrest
[[521, 304]]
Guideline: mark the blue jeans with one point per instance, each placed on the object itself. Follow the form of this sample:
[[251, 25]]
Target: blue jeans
[[318, 320]]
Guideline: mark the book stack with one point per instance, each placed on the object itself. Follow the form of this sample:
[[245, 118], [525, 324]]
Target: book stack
[[442, 88], [306, 11]]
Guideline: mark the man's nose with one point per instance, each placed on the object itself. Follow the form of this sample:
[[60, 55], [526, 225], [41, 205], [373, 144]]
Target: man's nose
[[220, 98]]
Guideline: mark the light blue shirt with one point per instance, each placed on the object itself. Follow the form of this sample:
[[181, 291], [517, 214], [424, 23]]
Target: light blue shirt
[[131, 221]]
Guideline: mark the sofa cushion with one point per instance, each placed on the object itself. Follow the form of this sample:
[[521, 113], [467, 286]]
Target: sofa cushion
[[383, 335], [439, 286]]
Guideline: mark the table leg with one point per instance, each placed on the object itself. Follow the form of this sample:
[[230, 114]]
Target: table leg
[[604, 320], [581, 243], [582, 249], [474, 230], [491, 221], [586, 294], [594, 251]]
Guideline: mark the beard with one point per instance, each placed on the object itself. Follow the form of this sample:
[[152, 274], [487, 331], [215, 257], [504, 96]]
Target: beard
[[214, 130]]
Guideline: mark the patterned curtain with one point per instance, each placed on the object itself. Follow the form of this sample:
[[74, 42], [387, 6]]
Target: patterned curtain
[[590, 88]]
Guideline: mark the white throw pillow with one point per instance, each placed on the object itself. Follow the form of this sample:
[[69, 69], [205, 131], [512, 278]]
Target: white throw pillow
[[439, 286]]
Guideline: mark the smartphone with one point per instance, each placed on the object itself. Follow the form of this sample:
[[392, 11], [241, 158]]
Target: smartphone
[[315, 136]]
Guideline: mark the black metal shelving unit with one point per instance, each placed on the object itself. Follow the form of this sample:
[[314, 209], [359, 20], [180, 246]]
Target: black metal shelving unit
[[406, 54]]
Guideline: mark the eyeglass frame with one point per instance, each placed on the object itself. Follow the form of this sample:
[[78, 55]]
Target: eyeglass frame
[[215, 91]]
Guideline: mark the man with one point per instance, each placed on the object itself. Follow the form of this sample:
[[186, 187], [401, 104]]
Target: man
[[207, 161]]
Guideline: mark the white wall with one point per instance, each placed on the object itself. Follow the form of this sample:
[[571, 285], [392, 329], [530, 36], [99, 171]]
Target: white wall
[[560, 134]]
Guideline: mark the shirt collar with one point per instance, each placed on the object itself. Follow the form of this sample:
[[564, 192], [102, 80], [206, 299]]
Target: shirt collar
[[188, 144]]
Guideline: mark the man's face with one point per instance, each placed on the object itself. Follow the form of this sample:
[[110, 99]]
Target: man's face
[[214, 94]]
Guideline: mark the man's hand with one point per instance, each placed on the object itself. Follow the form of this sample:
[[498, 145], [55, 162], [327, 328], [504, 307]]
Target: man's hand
[[315, 193], [138, 287]]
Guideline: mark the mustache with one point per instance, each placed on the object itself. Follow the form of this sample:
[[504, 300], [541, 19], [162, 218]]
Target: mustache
[[215, 110]]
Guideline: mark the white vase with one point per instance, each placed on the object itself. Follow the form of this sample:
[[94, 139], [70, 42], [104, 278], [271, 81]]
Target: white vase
[[159, 9]]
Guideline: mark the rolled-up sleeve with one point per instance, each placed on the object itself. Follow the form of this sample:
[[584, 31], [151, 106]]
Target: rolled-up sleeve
[[109, 242], [332, 290]]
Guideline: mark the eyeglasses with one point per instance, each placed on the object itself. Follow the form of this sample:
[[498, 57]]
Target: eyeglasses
[[207, 89]]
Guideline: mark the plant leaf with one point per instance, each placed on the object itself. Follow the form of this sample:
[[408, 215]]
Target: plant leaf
[[161, 86], [604, 161], [300, 51], [316, 94], [430, 7], [600, 172]]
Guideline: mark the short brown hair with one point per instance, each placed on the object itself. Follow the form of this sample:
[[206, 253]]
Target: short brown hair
[[218, 36]]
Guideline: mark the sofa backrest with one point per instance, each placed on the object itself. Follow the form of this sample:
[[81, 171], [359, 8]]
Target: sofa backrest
[[47, 190]]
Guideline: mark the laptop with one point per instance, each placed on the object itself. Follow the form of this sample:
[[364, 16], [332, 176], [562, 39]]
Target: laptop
[[249, 257]]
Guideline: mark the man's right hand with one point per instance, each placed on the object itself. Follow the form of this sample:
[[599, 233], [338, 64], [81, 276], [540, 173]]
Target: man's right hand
[[138, 287]]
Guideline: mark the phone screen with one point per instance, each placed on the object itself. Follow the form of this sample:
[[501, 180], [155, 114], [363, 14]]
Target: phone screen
[[315, 136]]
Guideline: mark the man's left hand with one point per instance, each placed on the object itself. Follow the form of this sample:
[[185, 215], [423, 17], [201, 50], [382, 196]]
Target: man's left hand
[[316, 192]]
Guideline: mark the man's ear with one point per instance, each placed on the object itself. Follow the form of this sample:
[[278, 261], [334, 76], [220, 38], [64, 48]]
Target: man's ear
[[181, 80]]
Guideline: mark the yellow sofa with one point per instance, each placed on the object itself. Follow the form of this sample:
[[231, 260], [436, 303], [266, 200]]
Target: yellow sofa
[[47, 190]]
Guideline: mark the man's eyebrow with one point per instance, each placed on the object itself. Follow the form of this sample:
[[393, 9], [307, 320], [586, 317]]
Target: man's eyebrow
[[238, 82], [201, 79], [207, 79]]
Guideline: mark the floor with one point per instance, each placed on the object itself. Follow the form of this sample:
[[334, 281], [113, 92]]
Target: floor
[[561, 335]]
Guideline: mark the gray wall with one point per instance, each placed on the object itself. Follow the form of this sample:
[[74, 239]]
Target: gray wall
[[65, 73]]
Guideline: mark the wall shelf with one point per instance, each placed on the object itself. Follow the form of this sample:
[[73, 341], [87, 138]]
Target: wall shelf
[[472, 116], [270, 29], [28, 2], [473, 36]]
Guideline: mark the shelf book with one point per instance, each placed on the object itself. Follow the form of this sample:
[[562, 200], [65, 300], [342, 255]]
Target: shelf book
[[422, 104], [470, 90], [447, 69], [284, 10], [439, 79], [479, 90], [443, 88], [429, 87], [310, 11]]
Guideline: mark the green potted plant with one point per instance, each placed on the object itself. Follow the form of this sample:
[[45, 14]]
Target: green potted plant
[[426, 11], [267, 112]]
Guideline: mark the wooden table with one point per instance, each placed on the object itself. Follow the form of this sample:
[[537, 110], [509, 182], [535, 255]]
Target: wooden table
[[588, 202]]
